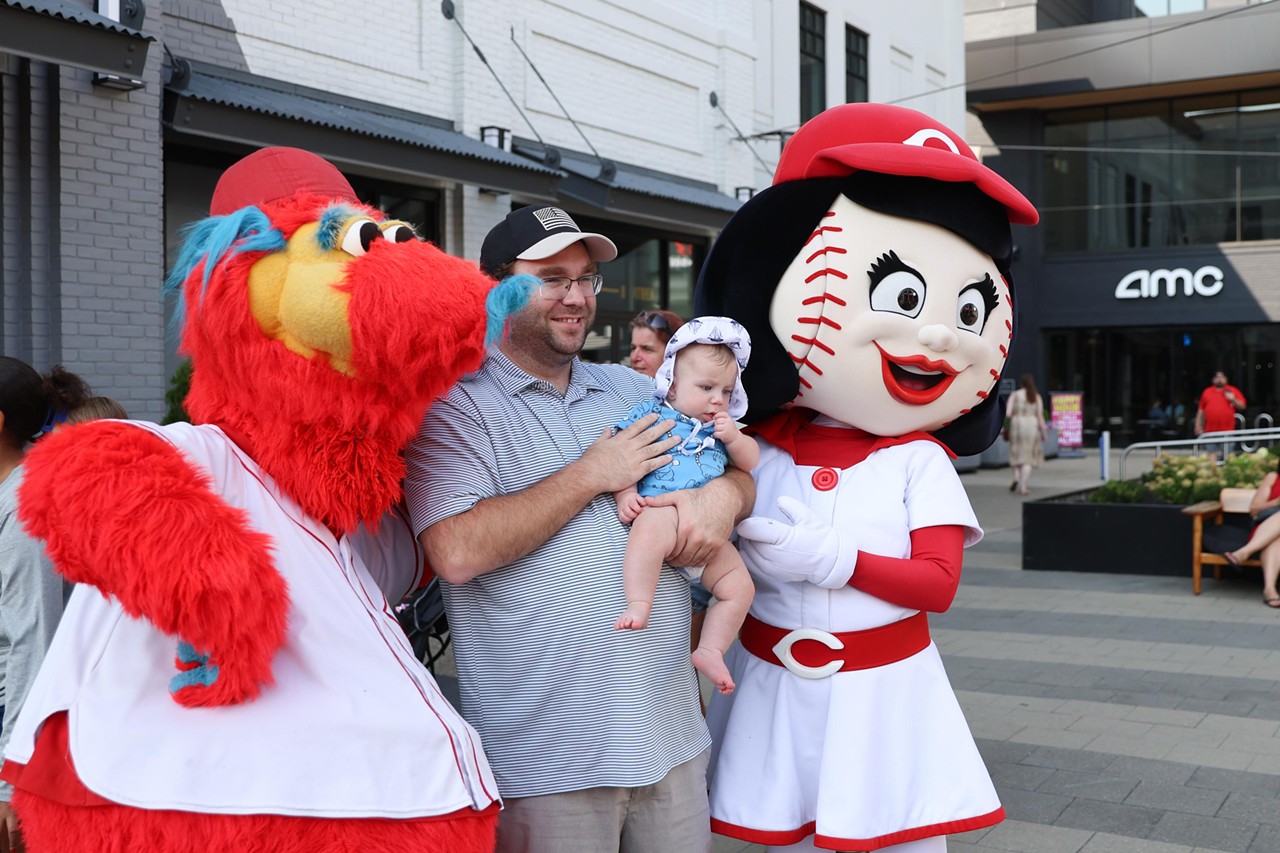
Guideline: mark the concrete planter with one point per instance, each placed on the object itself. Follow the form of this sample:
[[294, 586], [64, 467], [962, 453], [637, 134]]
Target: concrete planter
[[1068, 534]]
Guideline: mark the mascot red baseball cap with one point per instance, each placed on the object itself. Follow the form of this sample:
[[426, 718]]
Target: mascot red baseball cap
[[892, 141], [273, 174]]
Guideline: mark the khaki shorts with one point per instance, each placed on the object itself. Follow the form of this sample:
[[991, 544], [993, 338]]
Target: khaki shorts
[[670, 816]]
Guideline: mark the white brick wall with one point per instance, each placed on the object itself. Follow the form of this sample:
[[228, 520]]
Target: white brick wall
[[635, 76]]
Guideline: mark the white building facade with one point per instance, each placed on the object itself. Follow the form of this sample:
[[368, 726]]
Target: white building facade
[[603, 108]]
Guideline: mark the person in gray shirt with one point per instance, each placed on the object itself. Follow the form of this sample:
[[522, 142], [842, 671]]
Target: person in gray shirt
[[32, 594], [594, 734]]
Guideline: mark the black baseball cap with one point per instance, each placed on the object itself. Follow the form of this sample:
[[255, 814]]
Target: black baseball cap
[[536, 232]]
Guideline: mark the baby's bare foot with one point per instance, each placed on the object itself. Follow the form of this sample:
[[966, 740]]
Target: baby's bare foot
[[634, 618], [710, 662]]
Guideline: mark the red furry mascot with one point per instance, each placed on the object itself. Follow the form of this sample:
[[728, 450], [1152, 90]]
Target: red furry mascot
[[235, 679]]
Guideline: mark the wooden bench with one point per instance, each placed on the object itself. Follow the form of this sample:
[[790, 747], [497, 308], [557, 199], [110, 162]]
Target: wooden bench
[[1228, 529]]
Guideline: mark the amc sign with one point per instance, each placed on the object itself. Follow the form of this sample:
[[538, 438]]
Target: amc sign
[[1206, 281]]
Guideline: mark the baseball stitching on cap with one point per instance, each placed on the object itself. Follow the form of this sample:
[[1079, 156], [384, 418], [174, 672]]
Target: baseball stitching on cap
[[554, 217]]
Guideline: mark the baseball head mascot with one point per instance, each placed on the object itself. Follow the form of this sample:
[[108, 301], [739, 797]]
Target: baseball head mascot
[[229, 675], [873, 277]]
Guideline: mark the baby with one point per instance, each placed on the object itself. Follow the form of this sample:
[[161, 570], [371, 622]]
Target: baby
[[698, 386]]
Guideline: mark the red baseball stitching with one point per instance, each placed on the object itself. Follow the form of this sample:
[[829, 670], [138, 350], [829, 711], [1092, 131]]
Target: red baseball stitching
[[819, 321], [814, 342], [835, 229], [836, 299], [820, 255], [825, 271], [823, 251], [806, 363]]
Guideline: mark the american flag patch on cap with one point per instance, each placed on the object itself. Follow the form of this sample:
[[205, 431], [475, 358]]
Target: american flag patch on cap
[[553, 217]]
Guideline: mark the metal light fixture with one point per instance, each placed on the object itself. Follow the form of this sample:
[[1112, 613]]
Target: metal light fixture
[[129, 13], [498, 137]]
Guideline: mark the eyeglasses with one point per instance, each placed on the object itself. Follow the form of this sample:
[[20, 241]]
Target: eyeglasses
[[558, 287], [654, 320]]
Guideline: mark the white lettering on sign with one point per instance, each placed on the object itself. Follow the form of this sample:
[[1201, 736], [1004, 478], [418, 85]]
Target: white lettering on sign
[[1206, 281]]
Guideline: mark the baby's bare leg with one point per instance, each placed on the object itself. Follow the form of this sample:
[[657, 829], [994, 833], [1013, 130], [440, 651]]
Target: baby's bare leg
[[653, 535], [727, 578]]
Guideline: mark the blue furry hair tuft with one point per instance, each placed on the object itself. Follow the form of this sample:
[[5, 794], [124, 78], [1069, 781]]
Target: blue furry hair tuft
[[214, 241], [507, 298]]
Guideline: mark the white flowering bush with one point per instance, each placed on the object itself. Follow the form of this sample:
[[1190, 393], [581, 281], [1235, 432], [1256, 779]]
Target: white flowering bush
[[1188, 479]]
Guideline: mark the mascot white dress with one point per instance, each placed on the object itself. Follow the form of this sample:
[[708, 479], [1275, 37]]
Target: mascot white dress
[[874, 278]]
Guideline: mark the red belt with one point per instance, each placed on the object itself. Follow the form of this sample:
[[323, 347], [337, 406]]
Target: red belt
[[814, 653]]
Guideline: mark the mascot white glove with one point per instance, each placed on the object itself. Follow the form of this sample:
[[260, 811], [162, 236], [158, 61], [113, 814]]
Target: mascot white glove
[[806, 551]]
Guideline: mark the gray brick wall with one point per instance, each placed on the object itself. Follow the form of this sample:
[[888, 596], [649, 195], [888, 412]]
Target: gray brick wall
[[82, 236], [112, 235]]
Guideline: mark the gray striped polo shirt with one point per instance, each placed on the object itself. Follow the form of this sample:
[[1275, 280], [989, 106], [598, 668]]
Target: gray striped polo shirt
[[561, 699]]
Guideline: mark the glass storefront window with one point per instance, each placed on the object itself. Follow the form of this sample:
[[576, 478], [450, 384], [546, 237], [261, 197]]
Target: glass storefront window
[[1259, 175], [1138, 141], [649, 272], [1186, 171], [1160, 8], [1072, 178], [1204, 178], [680, 278], [1123, 372]]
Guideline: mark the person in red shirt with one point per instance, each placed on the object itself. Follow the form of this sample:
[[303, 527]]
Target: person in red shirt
[[1218, 406]]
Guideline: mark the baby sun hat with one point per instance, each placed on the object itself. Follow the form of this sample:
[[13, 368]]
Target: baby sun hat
[[708, 330]]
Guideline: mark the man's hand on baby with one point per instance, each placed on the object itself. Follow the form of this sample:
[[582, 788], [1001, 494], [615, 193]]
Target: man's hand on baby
[[808, 550], [617, 460]]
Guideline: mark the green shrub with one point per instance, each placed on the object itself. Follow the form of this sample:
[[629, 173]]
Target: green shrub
[[1188, 479], [179, 382], [1120, 492]]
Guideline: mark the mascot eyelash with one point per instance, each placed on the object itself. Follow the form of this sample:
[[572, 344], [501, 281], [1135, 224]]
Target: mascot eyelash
[[332, 223], [887, 264], [987, 289]]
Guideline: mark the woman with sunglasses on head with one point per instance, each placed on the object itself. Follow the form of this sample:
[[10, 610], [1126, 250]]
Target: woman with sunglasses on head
[[650, 331]]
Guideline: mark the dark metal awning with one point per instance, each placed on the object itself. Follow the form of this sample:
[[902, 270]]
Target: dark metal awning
[[65, 34], [216, 103], [634, 191]]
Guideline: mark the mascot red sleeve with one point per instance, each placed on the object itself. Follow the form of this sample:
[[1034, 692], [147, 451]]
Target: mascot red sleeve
[[228, 674], [873, 276]]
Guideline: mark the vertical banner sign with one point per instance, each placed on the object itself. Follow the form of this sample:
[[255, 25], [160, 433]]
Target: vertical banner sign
[[1068, 418]]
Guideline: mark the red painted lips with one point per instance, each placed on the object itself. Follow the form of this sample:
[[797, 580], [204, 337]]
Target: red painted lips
[[911, 386]]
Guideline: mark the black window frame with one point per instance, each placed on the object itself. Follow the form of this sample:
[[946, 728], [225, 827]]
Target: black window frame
[[857, 88], [813, 61]]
